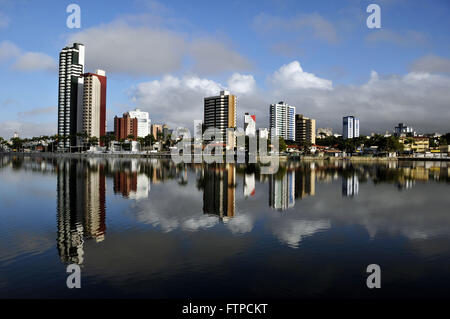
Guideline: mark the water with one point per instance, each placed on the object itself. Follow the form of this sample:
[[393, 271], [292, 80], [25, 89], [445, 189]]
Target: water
[[152, 229]]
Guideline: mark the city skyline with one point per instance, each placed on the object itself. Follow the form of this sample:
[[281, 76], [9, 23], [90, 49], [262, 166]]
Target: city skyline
[[396, 74]]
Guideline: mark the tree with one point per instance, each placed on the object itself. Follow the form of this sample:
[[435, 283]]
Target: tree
[[17, 143], [149, 140], [93, 140], [130, 137], [282, 144]]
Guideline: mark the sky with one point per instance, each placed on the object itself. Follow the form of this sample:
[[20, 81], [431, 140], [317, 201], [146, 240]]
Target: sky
[[165, 57]]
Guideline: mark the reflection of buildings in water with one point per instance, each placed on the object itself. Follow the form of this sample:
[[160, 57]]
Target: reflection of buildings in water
[[219, 190], [305, 182], [282, 191], [80, 208], [350, 185], [249, 184], [131, 185], [405, 184]]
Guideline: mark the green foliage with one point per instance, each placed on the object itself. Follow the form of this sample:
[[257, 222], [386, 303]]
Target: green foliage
[[282, 144]]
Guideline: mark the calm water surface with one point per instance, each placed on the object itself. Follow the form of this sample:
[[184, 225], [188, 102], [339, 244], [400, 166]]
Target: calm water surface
[[153, 229]]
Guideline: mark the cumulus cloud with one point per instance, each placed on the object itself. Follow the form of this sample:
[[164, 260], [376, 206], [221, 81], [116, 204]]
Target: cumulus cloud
[[241, 83], [26, 61], [35, 61], [431, 64], [419, 99], [176, 101], [292, 76], [119, 47], [314, 24]]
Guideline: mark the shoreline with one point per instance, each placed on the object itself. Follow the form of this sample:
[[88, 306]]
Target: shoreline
[[283, 158]]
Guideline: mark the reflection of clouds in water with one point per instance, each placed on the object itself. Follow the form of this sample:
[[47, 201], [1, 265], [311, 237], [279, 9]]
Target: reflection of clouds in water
[[292, 232], [416, 214], [241, 224], [202, 222]]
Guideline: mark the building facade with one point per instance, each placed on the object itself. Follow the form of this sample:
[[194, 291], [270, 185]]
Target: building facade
[[282, 121], [305, 129], [143, 120], [92, 119], [220, 113], [70, 94], [350, 127], [156, 128], [404, 130], [125, 126]]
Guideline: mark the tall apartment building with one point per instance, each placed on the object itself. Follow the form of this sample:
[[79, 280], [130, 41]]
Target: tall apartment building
[[249, 125], [220, 113], [92, 119], [70, 94], [305, 129], [282, 121], [125, 126], [143, 121], [350, 127]]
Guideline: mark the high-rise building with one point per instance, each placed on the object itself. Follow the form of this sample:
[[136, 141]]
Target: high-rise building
[[125, 126], [282, 121], [249, 125], [305, 129], [70, 94], [143, 120], [350, 127], [92, 119], [156, 128], [220, 113], [403, 129]]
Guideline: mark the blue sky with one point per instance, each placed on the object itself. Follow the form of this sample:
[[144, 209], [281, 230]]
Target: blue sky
[[165, 56]]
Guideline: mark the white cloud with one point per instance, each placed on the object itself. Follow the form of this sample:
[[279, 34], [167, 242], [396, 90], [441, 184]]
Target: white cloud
[[8, 50], [419, 99], [35, 61], [292, 76], [241, 83], [432, 64], [26, 61], [176, 101], [119, 48]]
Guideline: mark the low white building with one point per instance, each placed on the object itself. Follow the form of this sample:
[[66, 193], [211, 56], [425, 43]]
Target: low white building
[[144, 122]]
